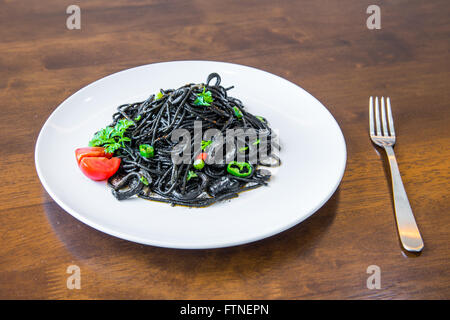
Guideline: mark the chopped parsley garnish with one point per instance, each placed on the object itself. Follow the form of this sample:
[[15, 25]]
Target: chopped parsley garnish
[[191, 174], [144, 180], [111, 138], [205, 144], [204, 98], [159, 95], [237, 112]]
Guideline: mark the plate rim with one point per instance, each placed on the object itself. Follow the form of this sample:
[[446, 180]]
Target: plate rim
[[166, 244]]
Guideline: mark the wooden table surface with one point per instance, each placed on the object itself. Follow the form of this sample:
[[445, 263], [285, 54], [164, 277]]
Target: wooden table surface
[[323, 46]]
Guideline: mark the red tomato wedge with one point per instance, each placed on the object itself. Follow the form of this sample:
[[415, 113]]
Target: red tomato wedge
[[99, 168], [202, 156], [80, 153]]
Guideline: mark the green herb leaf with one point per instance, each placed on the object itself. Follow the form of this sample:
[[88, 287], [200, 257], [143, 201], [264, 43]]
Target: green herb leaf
[[139, 117], [204, 98], [144, 180], [260, 118], [123, 140], [122, 125], [111, 138], [243, 149], [237, 112], [159, 95], [256, 142], [111, 147], [100, 137], [205, 144], [191, 174]]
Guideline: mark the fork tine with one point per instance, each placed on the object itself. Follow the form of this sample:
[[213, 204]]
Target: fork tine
[[372, 130], [383, 118], [390, 118], [377, 117]]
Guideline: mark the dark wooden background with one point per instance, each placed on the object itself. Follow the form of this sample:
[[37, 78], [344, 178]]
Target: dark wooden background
[[323, 46]]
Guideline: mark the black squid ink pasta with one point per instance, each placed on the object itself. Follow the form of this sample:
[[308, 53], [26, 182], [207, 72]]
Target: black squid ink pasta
[[211, 170]]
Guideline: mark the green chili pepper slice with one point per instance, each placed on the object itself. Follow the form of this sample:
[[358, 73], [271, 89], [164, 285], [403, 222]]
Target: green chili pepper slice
[[239, 169], [199, 164], [146, 150]]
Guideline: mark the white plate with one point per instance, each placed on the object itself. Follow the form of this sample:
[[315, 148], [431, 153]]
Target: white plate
[[313, 159]]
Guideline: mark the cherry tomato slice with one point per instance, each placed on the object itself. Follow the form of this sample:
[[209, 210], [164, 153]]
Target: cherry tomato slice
[[99, 168], [80, 153], [202, 156]]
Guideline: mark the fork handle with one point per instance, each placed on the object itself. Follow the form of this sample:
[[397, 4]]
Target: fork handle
[[406, 224]]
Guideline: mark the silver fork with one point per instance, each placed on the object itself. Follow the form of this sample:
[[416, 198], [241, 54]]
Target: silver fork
[[382, 134]]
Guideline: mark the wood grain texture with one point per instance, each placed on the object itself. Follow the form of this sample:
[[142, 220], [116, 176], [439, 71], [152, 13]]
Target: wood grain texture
[[325, 47]]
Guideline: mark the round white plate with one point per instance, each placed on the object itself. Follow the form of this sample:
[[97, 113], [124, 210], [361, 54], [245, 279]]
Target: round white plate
[[313, 159]]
